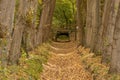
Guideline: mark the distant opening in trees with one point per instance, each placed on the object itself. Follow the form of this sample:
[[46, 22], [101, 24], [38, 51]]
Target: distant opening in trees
[[62, 36]]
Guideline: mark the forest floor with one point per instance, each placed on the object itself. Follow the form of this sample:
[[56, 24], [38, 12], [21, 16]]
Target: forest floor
[[64, 63], [58, 61]]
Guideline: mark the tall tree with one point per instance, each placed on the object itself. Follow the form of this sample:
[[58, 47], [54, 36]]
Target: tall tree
[[108, 25], [29, 33], [98, 42], [46, 20], [17, 34], [6, 26], [115, 62], [92, 23], [20, 25], [80, 27]]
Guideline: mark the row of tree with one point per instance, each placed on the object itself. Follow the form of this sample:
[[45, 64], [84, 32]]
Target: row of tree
[[102, 30], [19, 27], [98, 24]]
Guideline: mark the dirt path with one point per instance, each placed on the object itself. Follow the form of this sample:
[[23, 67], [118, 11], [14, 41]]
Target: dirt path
[[64, 65]]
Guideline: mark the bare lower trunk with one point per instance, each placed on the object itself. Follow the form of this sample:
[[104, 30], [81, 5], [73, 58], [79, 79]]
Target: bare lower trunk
[[80, 27], [46, 20], [16, 44], [92, 23], [29, 34], [17, 34], [6, 26], [115, 62], [98, 42], [108, 24]]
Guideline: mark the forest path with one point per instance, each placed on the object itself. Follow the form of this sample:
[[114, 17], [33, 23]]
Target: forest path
[[64, 63]]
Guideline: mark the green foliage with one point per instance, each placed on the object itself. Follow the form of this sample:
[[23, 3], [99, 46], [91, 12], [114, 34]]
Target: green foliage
[[29, 16], [38, 13], [24, 54], [16, 10], [3, 42], [17, 5], [40, 1], [34, 67], [98, 52], [28, 68], [114, 77], [63, 37], [34, 62], [64, 13]]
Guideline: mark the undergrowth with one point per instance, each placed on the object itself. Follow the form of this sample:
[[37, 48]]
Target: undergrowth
[[93, 64], [28, 68]]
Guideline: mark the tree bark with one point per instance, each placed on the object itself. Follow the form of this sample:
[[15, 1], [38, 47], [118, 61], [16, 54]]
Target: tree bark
[[92, 23], [115, 61], [14, 54], [98, 46], [108, 24], [80, 27], [6, 26], [29, 34], [46, 20], [24, 26]]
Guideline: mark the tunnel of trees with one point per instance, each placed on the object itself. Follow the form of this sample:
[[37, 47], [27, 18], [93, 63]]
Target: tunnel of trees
[[27, 24]]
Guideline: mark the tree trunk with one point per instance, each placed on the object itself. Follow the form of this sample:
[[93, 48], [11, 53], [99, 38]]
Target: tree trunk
[[115, 62], [25, 25], [46, 20], [17, 34], [6, 26], [98, 46], [29, 34], [92, 23], [108, 24], [80, 27]]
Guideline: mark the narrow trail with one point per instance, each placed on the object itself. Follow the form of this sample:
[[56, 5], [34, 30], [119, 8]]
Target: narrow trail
[[64, 63]]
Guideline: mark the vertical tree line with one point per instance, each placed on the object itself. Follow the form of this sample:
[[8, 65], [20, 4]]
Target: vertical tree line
[[102, 30], [6, 26], [18, 29], [98, 25]]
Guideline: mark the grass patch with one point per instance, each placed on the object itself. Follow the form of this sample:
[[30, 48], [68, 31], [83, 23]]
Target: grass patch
[[29, 68]]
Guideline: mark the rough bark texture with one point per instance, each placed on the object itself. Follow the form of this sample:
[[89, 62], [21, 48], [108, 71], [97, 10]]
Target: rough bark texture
[[29, 34], [98, 46], [17, 34], [80, 27], [108, 24], [46, 20], [6, 25], [24, 28], [115, 62], [92, 22]]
